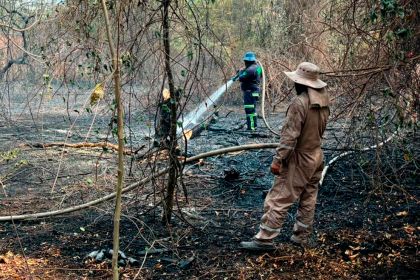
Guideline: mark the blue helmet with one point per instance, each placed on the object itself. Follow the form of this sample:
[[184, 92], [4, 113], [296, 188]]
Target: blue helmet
[[250, 56]]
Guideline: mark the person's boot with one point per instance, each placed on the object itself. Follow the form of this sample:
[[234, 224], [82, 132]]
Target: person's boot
[[255, 245], [307, 243]]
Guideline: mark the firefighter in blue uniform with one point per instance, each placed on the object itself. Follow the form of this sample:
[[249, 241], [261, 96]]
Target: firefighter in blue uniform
[[250, 78]]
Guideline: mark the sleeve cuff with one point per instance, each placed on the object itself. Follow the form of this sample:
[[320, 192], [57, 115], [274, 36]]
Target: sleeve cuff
[[277, 160]]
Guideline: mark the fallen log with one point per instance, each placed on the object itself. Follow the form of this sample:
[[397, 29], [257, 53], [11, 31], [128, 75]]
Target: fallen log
[[82, 145]]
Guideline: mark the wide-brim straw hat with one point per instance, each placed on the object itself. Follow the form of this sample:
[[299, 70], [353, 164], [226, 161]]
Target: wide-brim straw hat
[[307, 74]]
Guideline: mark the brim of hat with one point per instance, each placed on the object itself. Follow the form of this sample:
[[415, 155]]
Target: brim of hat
[[300, 80]]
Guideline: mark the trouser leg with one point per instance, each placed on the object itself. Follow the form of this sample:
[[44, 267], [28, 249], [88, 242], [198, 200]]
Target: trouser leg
[[306, 210], [251, 121], [305, 214], [278, 201], [249, 106]]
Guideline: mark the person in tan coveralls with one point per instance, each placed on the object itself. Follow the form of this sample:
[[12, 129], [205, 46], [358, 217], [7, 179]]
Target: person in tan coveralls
[[298, 162]]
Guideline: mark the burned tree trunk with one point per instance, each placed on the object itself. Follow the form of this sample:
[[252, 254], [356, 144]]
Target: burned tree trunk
[[173, 162]]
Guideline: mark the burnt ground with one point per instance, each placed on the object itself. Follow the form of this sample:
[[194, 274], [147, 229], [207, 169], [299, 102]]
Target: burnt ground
[[366, 222]]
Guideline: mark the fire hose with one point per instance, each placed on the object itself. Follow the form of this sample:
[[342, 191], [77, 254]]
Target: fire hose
[[263, 93], [134, 185]]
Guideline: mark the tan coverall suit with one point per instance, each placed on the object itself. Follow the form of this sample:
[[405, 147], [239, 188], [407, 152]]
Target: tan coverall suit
[[301, 158]]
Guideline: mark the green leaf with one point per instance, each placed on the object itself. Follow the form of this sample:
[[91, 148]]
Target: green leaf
[[166, 108], [190, 55], [157, 34], [82, 228], [373, 16], [401, 13], [179, 123], [89, 181], [390, 36], [388, 92], [183, 73], [404, 33]]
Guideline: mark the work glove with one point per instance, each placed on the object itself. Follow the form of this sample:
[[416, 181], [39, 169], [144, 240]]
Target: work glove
[[275, 169], [235, 77]]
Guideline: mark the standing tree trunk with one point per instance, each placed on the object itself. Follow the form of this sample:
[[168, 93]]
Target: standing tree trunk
[[173, 163], [120, 125]]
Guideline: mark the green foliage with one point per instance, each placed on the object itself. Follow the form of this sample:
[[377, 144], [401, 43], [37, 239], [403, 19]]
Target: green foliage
[[373, 16], [190, 55], [390, 36], [166, 108], [388, 92], [390, 9], [9, 155], [12, 155], [404, 33]]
